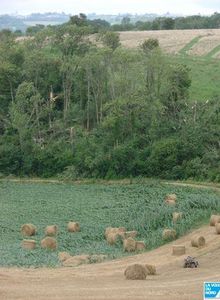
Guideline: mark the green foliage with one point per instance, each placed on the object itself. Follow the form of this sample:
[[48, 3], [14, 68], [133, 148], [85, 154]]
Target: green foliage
[[110, 39], [138, 207], [75, 109], [149, 45]]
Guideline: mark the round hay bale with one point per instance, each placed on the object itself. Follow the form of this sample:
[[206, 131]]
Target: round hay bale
[[108, 231], [198, 241], [179, 250], [214, 219], [49, 243], [115, 230], [135, 272], [169, 234], [171, 199], [97, 258], [129, 245], [112, 238], [140, 245], [75, 261], [151, 270], [131, 234], [28, 230], [73, 227], [51, 230], [177, 216], [63, 256], [29, 244], [217, 228]]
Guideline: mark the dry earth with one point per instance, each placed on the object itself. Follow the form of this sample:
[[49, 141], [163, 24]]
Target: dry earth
[[106, 280], [172, 41]]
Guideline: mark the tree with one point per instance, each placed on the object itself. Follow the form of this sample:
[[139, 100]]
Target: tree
[[111, 39]]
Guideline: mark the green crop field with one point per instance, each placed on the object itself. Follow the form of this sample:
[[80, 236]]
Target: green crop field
[[138, 207]]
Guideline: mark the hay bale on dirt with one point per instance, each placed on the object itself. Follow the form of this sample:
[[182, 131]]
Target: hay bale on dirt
[[28, 230], [198, 241], [171, 199], [151, 269], [131, 234], [129, 245], [51, 230], [63, 256], [140, 245], [49, 243], [77, 260], [135, 272], [214, 219], [217, 228], [169, 234], [179, 250], [29, 244], [97, 258], [177, 216], [73, 227]]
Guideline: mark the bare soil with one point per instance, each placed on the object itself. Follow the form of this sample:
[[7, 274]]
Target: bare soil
[[106, 280]]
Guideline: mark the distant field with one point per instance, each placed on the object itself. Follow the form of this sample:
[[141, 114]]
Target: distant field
[[173, 41], [138, 207]]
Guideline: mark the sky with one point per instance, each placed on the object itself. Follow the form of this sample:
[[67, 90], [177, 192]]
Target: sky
[[186, 7]]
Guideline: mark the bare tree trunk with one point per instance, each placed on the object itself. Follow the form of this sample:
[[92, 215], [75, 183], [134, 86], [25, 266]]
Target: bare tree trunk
[[88, 105]]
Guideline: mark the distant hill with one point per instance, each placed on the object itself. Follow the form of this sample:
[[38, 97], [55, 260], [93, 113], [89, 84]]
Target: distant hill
[[20, 22]]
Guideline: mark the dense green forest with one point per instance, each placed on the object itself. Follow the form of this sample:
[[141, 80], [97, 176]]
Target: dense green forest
[[74, 108]]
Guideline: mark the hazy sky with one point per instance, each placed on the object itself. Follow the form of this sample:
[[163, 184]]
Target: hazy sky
[[110, 6]]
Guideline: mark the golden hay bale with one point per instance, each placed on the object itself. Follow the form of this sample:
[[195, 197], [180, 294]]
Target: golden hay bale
[[179, 250], [49, 243], [177, 216], [97, 258], [28, 229], [198, 241], [140, 245], [51, 230], [63, 256], [73, 227], [131, 234], [214, 219], [217, 228], [169, 234], [115, 230], [151, 270], [171, 199], [135, 272], [29, 244], [129, 245], [107, 231], [75, 261], [112, 238]]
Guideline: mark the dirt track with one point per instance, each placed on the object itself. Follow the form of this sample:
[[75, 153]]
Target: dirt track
[[106, 280]]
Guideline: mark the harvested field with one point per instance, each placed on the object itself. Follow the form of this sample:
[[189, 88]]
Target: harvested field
[[106, 281], [137, 207], [172, 41], [205, 45]]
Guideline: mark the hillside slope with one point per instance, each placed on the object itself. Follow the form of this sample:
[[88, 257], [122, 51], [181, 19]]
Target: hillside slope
[[106, 280], [199, 42]]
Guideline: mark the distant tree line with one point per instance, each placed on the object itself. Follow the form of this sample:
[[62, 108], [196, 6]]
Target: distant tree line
[[168, 23], [77, 109]]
